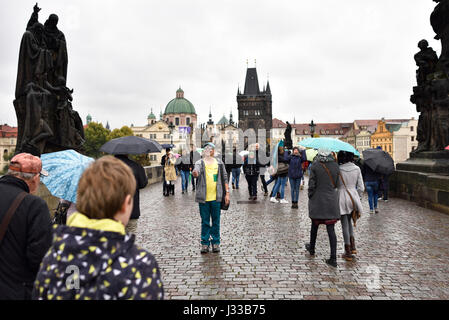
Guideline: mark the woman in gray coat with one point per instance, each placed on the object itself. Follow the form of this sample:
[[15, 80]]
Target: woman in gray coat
[[351, 182], [323, 201]]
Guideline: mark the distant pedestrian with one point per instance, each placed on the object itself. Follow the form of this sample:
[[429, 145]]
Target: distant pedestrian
[[25, 227], [350, 189], [211, 188], [371, 179], [92, 257], [165, 190], [170, 173], [251, 168], [281, 177], [184, 166], [237, 162], [141, 182], [295, 173], [194, 157], [323, 201], [264, 163]]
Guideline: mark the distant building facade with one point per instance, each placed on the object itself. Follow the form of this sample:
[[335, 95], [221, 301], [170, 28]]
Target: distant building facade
[[8, 140]]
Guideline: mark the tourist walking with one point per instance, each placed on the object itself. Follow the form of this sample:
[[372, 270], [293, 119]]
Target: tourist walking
[[141, 182], [92, 258], [25, 227], [350, 190], [236, 169], [170, 173], [281, 177], [295, 173], [194, 157], [212, 189], [165, 190], [323, 201], [251, 168], [184, 166], [371, 179]]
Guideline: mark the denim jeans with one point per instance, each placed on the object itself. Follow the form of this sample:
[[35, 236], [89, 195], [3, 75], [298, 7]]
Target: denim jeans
[[372, 187], [185, 179], [236, 176], [210, 210], [280, 185], [294, 185]]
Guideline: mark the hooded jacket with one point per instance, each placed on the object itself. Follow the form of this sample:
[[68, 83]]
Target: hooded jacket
[[354, 183], [295, 164], [26, 240], [94, 259]]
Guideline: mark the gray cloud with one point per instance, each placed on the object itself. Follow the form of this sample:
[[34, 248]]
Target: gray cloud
[[327, 60]]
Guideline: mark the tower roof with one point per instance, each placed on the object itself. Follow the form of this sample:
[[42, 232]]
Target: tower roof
[[179, 104], [223, 120], [251, 82]]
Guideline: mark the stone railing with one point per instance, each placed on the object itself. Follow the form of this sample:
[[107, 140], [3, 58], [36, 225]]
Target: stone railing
[[154, 174]]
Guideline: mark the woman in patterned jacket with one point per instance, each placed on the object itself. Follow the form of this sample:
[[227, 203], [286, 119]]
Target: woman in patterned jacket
[[92, 258]]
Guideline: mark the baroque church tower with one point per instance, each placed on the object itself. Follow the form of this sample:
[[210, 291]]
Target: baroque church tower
[[254, 106]]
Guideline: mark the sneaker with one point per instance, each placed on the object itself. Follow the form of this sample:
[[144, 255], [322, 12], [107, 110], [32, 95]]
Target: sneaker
[[309, 248], [331, 262], [283, 201], [182, 191], [376, 210], [204, 248], [255, 198], [265, 194], [371, 211], [302, 187], [386, 200], [273, 199], [215, 248]]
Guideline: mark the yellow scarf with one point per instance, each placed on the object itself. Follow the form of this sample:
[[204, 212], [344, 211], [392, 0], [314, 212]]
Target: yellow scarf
[[79, 220]]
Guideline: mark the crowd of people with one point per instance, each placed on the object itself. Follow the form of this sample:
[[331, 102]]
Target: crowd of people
[[92, 255]]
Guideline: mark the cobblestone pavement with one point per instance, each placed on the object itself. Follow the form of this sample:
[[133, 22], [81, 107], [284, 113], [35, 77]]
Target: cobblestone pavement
[[403, 252]]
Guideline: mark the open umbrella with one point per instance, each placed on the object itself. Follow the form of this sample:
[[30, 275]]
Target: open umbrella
[[243, 153], [329, 144], [64, 172], [311, 154], [131, 145], [447, 148], [379, 161], [167, 146]]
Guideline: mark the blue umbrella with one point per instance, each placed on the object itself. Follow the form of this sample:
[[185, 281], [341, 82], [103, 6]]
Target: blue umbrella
[[64, 172], [329, 144]]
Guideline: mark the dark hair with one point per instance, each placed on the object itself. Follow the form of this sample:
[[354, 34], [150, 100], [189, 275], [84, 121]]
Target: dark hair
[[345, 157]]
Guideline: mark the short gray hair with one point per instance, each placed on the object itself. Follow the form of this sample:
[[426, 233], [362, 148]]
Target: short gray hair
[[21, 175]]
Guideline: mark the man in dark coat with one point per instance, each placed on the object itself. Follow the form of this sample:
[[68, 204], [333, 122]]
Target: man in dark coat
[[28, 235], [323, 201], [141, 182]]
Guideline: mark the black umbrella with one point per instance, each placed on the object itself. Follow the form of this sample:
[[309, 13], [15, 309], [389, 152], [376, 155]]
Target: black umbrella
[[379, 161], [167, 145], [131, 145]]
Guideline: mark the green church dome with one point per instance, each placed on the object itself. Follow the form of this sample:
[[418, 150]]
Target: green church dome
[[179, 104], [151, 115]]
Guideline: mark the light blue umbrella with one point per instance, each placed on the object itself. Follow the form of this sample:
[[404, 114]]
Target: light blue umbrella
[[64, 172], [328, 143]]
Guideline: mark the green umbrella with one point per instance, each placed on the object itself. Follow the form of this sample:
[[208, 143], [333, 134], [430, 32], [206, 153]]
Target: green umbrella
[[311, 154]]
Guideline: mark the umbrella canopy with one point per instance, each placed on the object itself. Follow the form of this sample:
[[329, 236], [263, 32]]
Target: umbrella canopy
[[379, 161], [131, 145], [243, 153], [329, 144], [167, 146], [64, 172], [311, 154], [447, 148]]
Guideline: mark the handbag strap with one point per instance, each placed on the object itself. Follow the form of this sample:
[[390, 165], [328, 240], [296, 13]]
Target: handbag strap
[[352, 200], [329, 174], [9, 214]]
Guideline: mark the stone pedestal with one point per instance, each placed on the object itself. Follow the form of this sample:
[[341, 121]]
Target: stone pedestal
[[424, 179]]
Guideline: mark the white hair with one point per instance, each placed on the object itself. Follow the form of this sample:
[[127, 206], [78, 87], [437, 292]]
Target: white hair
[[21, 175]]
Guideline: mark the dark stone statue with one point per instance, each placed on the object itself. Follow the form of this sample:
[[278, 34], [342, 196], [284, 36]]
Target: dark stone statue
[[43, 104], [431, 95], [288, 144]]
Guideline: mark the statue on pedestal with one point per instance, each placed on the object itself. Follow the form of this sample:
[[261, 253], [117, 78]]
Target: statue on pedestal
[[288, 143], [46, 119], [431, 95]]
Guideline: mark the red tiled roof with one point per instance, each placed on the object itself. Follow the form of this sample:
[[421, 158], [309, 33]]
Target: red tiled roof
[[276, 123], [8, 132], [328, 128]]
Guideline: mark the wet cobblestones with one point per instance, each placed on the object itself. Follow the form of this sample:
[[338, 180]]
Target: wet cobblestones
[[403, 252]]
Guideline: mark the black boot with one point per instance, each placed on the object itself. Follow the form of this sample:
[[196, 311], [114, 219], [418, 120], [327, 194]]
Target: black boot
[[173, 189], [310, 249], [332, 262]]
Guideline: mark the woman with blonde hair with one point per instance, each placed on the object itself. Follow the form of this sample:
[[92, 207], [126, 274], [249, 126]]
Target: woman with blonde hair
[[170, 173]]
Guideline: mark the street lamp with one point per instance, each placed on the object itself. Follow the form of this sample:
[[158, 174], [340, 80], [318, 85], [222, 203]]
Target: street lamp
[[312, 128], [171, 127]]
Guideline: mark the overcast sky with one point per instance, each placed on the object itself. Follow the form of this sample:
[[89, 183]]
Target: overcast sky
[[327, 60]]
